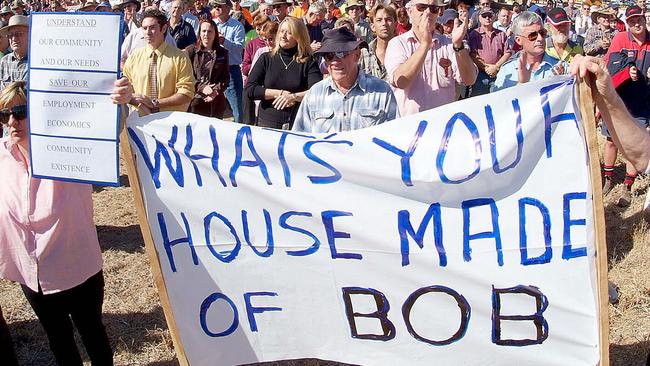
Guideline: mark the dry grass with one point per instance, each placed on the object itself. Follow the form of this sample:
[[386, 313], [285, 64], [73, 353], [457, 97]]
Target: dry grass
[[139, 334]]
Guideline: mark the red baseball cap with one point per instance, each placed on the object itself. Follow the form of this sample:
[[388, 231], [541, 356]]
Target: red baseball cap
[[557, 16]]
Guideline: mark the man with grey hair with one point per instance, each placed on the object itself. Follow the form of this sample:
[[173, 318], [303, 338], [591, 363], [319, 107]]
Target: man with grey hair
[[313, 18], [532, 62]]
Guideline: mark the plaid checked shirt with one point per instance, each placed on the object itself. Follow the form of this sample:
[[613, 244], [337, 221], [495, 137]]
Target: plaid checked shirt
[[592, 46], [325, 109], [12, 69], [370, 64]]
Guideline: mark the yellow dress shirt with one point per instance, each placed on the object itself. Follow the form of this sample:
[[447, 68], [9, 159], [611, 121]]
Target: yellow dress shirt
[[174, 73]]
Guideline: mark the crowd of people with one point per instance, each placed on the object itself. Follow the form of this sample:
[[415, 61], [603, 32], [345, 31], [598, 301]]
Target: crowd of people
[[311, 66]]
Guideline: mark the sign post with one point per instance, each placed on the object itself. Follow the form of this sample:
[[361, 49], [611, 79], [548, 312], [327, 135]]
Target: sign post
[[73, 62]]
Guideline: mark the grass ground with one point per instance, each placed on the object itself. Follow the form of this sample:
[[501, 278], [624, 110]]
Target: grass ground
[[137, 327]]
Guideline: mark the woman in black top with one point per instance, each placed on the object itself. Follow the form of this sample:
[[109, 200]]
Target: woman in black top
[[281, 77]]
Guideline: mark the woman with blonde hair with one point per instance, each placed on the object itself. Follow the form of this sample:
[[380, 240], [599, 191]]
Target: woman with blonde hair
[[280, 78], [48, 243]]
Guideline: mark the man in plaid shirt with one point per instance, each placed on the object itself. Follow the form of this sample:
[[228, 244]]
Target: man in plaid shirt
[[13, 66]]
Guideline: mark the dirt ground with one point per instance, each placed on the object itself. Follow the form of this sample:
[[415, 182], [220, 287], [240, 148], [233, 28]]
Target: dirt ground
[[139, 334]]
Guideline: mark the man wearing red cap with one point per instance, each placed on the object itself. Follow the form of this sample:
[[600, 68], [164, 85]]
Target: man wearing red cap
[[558, 45], [628, 61]]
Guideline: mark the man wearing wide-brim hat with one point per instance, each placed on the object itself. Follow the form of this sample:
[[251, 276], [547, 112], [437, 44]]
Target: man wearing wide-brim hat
[[356, 10], [6, 13], [18, 7], [599, 36], [89, 6], [129, 8], [280, 9], [349, 99], [13, 66]]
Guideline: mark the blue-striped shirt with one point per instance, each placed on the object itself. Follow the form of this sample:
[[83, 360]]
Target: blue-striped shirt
[[325, 109]]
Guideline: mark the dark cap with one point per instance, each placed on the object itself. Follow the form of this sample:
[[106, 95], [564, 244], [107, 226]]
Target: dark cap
[[447, 15], [338, 40], [485, 11], [633, 11], [557, 16]]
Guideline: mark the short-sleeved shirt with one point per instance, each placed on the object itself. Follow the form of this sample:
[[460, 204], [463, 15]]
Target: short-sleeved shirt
[[47, 234], [435, 84], [490, 46], [174, 72], [325, 108], [12, 69], [508, 75]]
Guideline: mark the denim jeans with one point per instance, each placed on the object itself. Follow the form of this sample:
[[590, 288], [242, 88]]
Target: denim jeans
[[234, 92], [483, 84]]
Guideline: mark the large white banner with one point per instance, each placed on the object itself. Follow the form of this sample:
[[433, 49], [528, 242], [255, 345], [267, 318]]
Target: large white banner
[[458, 236]]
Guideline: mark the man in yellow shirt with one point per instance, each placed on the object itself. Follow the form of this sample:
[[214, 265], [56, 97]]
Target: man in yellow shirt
[[558, 44], [161, 74]]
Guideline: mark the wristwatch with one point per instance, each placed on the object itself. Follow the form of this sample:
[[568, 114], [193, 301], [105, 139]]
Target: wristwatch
[[459, 48], [156, 105]]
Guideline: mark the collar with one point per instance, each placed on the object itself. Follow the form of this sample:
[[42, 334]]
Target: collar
[[482, 30], [410, 37], [159, 50], [632, 39], [14, 58]]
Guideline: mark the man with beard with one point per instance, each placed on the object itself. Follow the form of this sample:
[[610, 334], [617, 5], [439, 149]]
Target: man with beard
[[532, 62], [382, 21], [558, 44], [599, 36], [628, 60]]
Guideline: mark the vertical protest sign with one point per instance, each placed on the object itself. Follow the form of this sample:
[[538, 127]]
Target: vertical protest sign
[[73, 62], [465, 234]]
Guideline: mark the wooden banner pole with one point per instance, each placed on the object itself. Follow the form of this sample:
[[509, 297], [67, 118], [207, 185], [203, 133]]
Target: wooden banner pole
[[586, 104], [149, 247]]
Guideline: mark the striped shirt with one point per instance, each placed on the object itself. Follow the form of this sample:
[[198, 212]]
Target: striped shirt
[[326, 109]]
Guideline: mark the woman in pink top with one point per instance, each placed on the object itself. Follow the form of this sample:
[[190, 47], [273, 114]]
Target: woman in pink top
[[48, 244]]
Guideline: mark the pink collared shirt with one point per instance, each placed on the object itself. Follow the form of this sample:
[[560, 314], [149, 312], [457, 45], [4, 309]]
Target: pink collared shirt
[[435, 84], [47, 234]]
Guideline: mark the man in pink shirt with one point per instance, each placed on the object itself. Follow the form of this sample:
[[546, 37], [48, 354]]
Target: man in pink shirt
[[423, 67], [48, 241]]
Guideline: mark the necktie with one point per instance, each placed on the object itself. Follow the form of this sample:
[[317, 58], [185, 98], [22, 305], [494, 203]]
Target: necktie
[[153, 76]]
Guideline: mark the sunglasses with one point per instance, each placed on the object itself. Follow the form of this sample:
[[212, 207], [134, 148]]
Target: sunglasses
[[487, 15], [19, 112], [340, 55], [432, 8], [533, 35]]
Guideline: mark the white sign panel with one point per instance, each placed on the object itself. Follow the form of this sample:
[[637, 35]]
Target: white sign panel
[[458, 236], [74, 60]]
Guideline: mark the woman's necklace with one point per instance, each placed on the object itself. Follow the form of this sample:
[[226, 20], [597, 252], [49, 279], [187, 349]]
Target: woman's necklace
[[286, 65]]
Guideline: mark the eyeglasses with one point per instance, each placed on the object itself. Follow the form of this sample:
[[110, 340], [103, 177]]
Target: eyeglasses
[[340, 55], [487, 15], [19, 112], [15, 34], [532, 36], [422, 7]]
